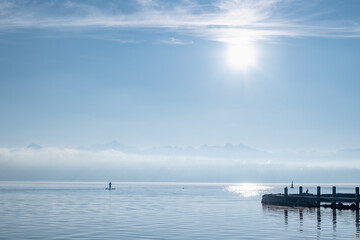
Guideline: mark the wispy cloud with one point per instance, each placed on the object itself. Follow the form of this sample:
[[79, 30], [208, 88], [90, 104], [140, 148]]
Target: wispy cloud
[[176, 41], [221, 20]]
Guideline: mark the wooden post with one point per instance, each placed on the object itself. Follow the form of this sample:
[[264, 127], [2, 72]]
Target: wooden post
[[334, 191], [318, 195], [300, 190], [357, 197], [286, 194]]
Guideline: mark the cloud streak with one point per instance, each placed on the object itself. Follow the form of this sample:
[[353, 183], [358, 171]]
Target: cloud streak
[[223, 20]]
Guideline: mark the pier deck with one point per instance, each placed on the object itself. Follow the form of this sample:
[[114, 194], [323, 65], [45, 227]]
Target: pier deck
[[314, 200]]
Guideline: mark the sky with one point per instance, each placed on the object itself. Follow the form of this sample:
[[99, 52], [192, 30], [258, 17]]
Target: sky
[[275, 75]]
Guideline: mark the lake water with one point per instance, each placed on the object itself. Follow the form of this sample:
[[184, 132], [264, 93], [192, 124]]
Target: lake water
[[48, 210]]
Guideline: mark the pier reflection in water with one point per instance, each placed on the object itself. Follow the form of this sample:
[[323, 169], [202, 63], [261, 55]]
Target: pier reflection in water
[[357, 224], [327, 223]]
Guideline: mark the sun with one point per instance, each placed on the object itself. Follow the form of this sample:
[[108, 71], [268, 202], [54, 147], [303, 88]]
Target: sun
[[241, 56]]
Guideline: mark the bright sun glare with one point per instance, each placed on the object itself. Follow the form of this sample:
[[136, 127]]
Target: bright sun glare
[[248, 189], [241, 56]]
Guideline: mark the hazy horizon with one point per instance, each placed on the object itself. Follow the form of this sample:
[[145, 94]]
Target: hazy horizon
[[227, 163]]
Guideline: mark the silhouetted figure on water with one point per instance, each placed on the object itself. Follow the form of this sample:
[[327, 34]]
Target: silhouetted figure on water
[[110, 187]]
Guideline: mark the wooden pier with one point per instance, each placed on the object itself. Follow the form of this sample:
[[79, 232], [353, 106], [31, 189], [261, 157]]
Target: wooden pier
[[336, 200]]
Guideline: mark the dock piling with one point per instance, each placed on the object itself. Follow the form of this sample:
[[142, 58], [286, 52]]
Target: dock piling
[[300, 190], [357, 197], [286, 194], [318, 195], [334, 191]]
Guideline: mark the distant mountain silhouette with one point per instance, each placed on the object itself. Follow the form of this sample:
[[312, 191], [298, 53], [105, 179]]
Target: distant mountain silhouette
[[352, 150], [113, 145], [166, 150], [34, 146], [228, 149], [349, 153]]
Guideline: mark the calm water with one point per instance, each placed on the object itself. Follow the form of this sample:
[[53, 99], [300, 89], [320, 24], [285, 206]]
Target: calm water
[[46, 210]]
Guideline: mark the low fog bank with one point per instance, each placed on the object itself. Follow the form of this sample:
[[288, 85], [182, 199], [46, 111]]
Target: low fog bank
[[227, 163]]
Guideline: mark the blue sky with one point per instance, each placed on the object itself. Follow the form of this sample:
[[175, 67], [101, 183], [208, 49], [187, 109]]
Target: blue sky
[[151, 73]]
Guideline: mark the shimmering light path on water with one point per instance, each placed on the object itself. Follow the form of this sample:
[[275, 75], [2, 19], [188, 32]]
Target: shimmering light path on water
[[47, 210]]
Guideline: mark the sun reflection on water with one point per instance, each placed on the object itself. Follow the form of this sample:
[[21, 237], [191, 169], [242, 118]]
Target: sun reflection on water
[[248, 189]]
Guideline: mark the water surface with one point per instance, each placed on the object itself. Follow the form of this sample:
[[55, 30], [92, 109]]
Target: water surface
[[48, 210]]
